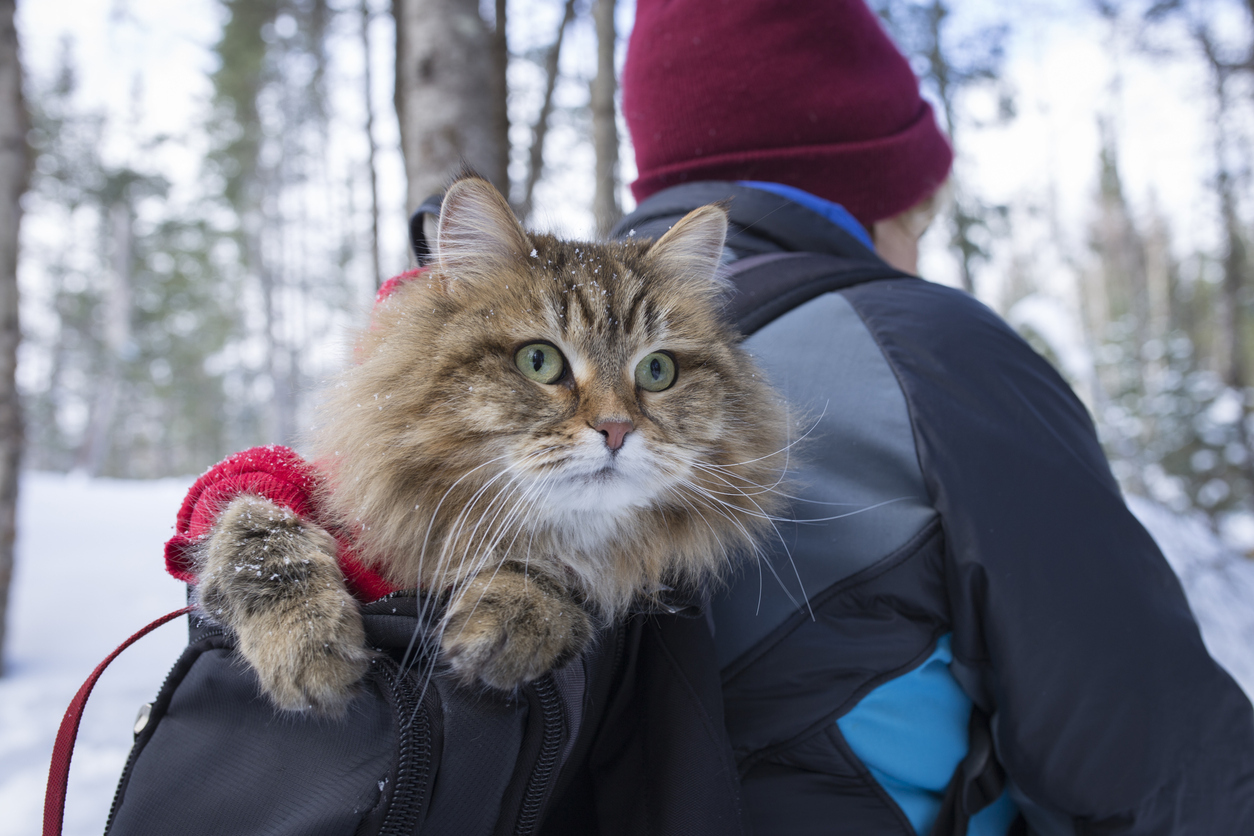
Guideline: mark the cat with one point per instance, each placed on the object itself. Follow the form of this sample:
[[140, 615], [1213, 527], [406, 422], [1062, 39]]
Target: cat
[[545, 431]]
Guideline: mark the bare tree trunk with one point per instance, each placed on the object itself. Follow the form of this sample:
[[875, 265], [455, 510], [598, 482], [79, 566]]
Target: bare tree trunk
[[370, 144], [500, 91], [117, 339], [14, 177], [540, 130], [447, 95], [962, 219], [605, 208], [279, 365], [1232, 315]]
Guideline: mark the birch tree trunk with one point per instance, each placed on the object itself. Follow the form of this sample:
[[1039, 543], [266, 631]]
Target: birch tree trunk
[[552, 60], [605, 208], [371, 145], [14, 176], [449, 94]]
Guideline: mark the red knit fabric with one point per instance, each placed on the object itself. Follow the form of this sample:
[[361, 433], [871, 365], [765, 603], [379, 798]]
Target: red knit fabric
[[389, 287], [279, 475], [810, 94]]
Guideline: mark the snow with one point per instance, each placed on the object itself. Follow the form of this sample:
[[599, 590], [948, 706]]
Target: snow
[[1061, 330], [90, 573], [1219, 584]]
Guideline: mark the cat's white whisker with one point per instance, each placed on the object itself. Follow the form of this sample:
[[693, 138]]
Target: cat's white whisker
[[778, 534], [764, 559], [747, 495], [435, 513], [484, 554], [713, 531], [498, 498], [482, 557], [453, 541]]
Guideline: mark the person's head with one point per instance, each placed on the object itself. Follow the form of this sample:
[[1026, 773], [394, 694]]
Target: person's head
[[810, 94]]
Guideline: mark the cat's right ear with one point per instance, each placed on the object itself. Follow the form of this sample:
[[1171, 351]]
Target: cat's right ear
[[477, 230]]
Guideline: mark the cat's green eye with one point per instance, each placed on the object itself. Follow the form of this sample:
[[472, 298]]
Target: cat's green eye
[[656, 372], [540, 362]]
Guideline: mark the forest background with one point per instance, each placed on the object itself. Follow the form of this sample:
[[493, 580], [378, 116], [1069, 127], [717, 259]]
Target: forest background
[[217, 187]]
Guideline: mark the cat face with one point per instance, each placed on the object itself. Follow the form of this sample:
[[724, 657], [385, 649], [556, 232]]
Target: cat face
[[597, 387], [586, 395]]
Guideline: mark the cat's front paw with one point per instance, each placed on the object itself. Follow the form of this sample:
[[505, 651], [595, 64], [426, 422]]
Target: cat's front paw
[[316, 667], [508, 627], [274, 580]]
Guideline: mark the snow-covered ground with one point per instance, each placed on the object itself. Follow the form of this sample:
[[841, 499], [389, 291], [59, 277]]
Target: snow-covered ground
[[90, 573]]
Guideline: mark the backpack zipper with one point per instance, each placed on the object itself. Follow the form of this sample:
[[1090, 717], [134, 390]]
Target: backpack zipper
[[413, 760], [546, 763]]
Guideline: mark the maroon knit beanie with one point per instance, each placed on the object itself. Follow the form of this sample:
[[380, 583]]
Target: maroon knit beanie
[[809, 93]]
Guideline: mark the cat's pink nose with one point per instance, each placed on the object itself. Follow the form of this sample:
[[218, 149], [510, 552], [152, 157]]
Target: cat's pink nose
[[614, 432]]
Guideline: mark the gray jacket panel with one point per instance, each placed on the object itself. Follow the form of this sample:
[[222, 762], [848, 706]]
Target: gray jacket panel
[[859, 500]]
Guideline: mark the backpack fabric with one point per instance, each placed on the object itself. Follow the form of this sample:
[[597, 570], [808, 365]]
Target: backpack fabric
[[626, 740]]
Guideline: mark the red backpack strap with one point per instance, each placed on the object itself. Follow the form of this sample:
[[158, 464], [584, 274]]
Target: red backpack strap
[[59, 773]]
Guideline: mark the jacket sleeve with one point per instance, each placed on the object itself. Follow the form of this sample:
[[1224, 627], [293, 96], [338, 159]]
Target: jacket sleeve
[[279, 475], [1069, 625]]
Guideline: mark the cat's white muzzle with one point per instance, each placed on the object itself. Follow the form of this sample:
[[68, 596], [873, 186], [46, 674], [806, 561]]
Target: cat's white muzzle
[[597, 480]]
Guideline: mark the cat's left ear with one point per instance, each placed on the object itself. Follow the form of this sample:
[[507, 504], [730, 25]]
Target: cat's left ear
[[477, 230], [692, 250]]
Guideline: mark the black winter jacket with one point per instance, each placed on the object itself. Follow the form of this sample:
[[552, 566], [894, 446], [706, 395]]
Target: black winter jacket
[[988, 520]]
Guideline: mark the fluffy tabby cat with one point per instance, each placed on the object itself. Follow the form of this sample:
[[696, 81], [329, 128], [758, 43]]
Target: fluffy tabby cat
[[545, 431]]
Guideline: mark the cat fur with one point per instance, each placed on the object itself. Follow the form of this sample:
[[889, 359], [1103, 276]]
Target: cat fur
[[453, 472]]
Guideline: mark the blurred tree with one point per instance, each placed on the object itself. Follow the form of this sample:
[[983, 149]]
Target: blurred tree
[[605, 140], [951, 66], [120, 194], [371, 145], [14, 178], [122, 377], [1221, 35], [450, 94], [268, 134], [540, 130], [1172, 426]]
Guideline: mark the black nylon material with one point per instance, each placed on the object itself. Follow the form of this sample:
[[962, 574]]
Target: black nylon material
[[660, 763], [760, 221], [990, 445], [219, 760]]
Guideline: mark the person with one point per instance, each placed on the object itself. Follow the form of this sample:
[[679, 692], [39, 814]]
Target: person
[[964, 629]]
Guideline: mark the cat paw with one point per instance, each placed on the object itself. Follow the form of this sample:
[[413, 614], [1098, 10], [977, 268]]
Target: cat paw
[[274, 580], [312, 673], [508, 628]]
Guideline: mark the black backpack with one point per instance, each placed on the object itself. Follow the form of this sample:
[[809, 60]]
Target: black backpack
[[626, 740], [577, 751]]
